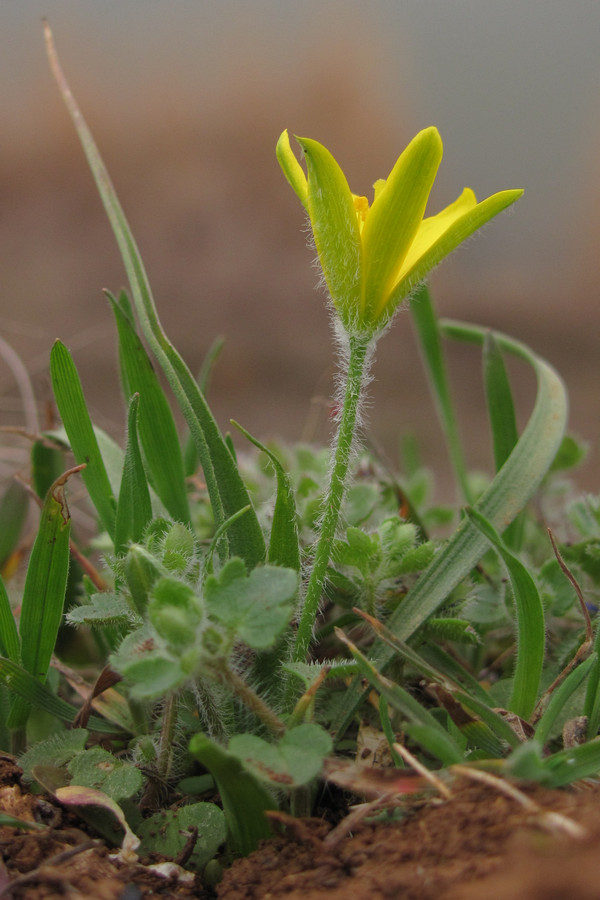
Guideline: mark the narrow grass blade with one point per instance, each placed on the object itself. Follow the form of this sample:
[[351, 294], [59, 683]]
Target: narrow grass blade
[[573, 764], [245, 801], [503, 420], [10, 644], [284, 548], [499, 399], [157, 430], [422, 725], [44, 590], [14, 504], [38, 695], [134, 509], [47, 463], [190, 452], [226, 488], [78, 426], [426, 324], [560, 697], [505, 497], [531, 632]]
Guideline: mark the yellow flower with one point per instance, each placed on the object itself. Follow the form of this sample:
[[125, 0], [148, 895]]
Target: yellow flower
[[374, 256]]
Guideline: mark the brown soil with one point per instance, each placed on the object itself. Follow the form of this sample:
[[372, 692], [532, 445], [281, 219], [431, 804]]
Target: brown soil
[[479, 843]]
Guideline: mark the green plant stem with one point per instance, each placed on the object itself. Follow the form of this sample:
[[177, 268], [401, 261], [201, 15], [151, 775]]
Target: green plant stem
[[167, 734], [357, 365]]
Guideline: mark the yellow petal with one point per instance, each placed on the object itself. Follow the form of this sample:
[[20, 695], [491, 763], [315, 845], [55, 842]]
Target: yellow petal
[[443, 233], [394, 218]]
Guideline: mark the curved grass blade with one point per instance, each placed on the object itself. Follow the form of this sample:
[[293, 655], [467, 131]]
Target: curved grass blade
[[44, 590], [245, 801], [134, 509], [560, 697], [284, 547], [156, 426], [78, 426], [226, 488], [531, 631], [505, 497], [422, 725], [427, 327]]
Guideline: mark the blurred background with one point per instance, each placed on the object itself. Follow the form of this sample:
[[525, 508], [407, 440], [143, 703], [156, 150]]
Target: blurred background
[[186, 100]]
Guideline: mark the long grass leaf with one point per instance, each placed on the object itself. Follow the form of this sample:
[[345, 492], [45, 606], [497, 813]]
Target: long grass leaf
[[134, 509], [501, 409], [156, 426], [10, 644], [78, 426], [427, 328], [503, 420], [284, 548], [14, 504], [44, 590], [560, 697], [430, 732], [38, 695], [530, 626], [226, 488]]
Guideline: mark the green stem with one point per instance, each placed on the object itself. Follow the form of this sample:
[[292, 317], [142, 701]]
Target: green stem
[[357, 364]]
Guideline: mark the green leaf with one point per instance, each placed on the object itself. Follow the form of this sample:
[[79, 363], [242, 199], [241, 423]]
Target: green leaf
[[44, 590], [503, 420], [244, 799], [168, 831], [422, 725], [47, 463], [134, 509], [295, 760], [500, 404], [76, 419], [430, 341], [57, 750], [10, 644], [256, 608], [97, 768], [531, 632], [227, 491], [284, 549], [36, 694], [14, 504], [103, 609], [560, 697], [157, 430], [573, 764]]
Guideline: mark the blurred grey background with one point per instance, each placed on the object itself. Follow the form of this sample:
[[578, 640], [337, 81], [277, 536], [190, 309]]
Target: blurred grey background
[[187, 99]]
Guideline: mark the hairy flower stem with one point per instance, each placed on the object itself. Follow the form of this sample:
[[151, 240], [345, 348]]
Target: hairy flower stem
[[357, 365]]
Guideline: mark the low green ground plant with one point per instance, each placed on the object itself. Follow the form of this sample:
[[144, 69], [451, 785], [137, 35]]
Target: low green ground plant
[[240, 618]]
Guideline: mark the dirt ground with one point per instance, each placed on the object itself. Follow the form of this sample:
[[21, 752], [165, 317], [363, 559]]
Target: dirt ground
[[479, 843]]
